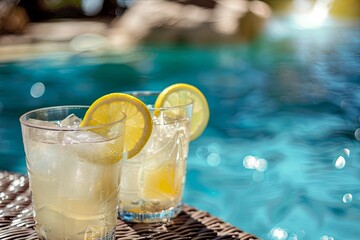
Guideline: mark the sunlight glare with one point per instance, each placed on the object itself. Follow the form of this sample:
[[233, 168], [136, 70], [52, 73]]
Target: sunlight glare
[[315, 16]]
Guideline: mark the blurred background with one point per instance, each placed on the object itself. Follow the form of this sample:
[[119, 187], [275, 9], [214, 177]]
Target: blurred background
[[280, 157]]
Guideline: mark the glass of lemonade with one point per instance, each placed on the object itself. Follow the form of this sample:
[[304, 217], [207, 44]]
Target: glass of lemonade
[[74, 172], [152, 181]]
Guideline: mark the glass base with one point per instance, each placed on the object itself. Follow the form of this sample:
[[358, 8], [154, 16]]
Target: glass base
[[108, 236], [155, 217]]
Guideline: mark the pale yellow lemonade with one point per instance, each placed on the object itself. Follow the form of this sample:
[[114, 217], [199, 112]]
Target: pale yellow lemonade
[[74, 178], [153, 180], [74, 165]]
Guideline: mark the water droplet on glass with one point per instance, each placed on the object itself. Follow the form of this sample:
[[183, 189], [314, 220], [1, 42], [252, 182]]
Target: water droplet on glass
[[347, 198], [340, 162], [37, 90]]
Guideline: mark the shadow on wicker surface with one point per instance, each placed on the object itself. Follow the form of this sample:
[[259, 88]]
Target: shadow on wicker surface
[[17, 222]]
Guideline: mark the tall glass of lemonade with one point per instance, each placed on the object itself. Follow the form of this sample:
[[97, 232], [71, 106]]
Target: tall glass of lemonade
[[74, 172], [152, 181]]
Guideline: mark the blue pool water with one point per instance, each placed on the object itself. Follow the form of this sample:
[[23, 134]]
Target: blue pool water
[[281, 155]]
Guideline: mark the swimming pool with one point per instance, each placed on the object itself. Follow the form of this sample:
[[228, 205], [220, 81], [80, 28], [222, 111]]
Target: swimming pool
[[281, 155]]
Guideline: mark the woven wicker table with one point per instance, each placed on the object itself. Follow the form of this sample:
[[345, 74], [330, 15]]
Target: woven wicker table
[[16, 219]]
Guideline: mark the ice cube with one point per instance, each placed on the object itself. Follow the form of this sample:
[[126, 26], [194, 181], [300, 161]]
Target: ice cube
[[43, 159], [74, 137], [42, 123], [128, 176], [79, 179], [71, 121], [129, 184], [42, 134], [161, 135], [160, 154]]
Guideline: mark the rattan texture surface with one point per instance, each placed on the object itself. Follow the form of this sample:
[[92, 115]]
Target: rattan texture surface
[[17, 222]]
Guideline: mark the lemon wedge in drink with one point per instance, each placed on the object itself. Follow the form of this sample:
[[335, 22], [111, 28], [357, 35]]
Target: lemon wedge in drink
[[172, 96], [138, 124]]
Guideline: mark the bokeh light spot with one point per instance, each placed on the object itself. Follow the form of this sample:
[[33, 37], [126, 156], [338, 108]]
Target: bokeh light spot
[[249, 162], [261, 165], [326, 237], [201, 152], [214, 148], [91, 7], [214, 159], [340, 162], [315, 16], [37, 90], [357, 134], [347, 198], [301, 233], [278, 234], [253, 162], [347, 152]]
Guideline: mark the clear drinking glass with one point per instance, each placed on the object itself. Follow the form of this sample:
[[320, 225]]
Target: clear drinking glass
[[152, 181], [74, 172]]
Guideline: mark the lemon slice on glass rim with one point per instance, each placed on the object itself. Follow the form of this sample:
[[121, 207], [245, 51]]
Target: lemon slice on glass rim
[[170, 96], [138, 124]]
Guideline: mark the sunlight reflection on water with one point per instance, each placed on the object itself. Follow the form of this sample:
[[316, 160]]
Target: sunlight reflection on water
[[280, 157]]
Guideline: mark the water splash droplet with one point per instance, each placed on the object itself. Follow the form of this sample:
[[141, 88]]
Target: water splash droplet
[[340, 162], [347, 198]]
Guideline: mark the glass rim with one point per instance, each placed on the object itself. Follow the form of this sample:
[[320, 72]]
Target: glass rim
[[146, 93], [24, 122]]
